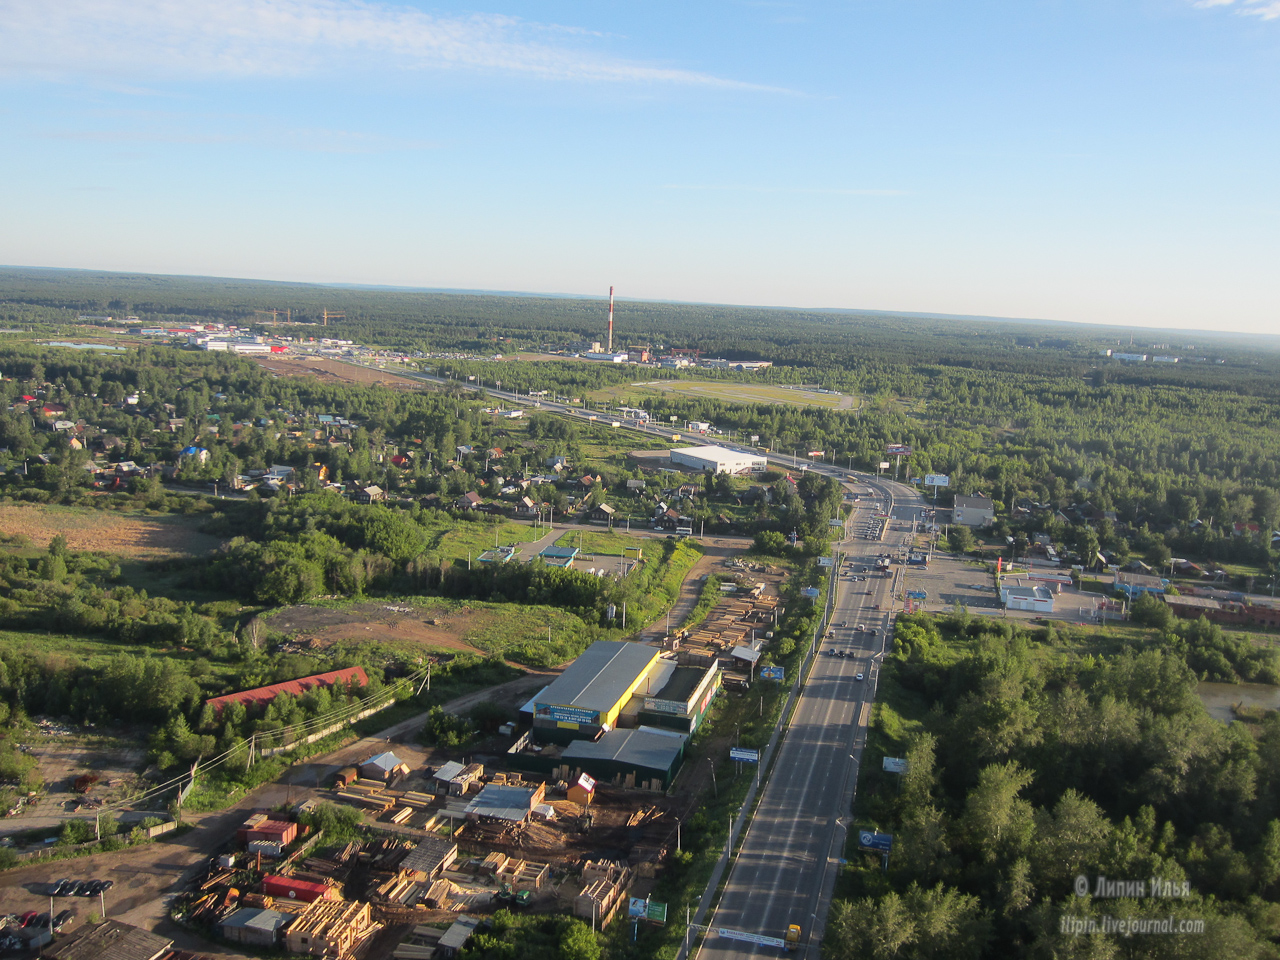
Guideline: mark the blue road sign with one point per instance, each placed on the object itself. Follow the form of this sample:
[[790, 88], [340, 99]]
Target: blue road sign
[[870, 840], [744, 755]]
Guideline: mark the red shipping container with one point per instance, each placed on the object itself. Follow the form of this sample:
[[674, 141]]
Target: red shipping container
[[289, 889]]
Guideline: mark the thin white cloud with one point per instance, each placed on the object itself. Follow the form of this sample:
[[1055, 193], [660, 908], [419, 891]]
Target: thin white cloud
[[825, 191], [1263, 9], [210, 39], [311, 141]]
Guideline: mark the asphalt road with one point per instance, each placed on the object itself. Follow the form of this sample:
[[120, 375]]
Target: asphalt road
[[785, 868]]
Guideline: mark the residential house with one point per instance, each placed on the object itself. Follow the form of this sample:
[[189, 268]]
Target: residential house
[[973, 511], [602, 513], [469, 501], [370, 494]]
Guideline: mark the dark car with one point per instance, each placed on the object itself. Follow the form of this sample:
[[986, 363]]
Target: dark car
[[77, 888], [107, 885], [62, 919], [93, 889], [26, 919], [42, 921], [60, 888]]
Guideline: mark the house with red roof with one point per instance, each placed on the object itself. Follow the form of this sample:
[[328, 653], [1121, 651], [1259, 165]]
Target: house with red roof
[[297, 688]]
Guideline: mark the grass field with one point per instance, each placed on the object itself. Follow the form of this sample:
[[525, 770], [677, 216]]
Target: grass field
[[134, 534], [457, 540], [601, 542], [733, 393], [411, 625]]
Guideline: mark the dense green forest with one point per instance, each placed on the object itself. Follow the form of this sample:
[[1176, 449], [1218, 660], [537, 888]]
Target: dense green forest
[[1034, 760]]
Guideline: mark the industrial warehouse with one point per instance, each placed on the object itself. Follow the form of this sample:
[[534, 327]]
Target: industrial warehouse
[[709, 459], [621, 713]]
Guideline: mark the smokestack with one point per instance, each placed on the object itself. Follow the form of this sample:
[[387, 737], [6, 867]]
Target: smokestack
[[609, 349]]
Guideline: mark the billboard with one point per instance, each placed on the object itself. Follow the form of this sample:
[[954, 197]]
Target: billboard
[[639, 908], [771, 673], [664, 706], [898, 450], [567, 714], [871, 840], [895, 765], [937, 480], [811, 592], [816, 453], [885, 464], [826, 562], [743, 755]]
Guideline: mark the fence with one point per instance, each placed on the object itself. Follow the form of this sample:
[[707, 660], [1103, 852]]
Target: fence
[[60, 849], [320, 734]]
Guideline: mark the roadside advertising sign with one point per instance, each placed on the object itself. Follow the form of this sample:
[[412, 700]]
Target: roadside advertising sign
[[898, 450], [771, 673], [871, 840], [895, 765], [937, 480], [743, 755]]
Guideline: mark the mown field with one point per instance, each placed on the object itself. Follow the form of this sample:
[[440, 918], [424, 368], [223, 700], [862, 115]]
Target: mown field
[[134, 534], [733, 392]]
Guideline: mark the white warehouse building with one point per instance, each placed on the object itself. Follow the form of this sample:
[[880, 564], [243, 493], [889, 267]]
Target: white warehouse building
[[710, 459], [1018, 595]]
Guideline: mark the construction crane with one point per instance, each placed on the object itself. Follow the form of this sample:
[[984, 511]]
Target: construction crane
[[330, 315], [288, 314]]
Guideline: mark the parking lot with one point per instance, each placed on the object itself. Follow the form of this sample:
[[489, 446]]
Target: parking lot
[[948, 581]]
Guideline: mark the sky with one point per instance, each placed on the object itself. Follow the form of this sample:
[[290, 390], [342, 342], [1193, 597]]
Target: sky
[[1101, 161]]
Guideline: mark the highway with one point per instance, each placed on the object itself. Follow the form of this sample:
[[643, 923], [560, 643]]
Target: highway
[[786, 866]]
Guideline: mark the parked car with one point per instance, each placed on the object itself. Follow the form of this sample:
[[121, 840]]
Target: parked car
[[107, 885], [27, 918], [62, 919], [60, 887], [42, 921]]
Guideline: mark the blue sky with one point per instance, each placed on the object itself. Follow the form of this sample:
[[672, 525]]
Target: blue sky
[[1109, 161]]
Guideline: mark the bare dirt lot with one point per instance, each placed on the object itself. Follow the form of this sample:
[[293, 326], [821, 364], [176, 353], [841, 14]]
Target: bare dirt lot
[[334, 371], [121, 534], [115, 760], [385, 622]]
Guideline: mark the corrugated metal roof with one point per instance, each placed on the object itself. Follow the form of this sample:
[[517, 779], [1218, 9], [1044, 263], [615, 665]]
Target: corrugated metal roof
[[269, 920], [502, 802], [428, 855], [652, 751], [456, 936], [598, 678], [109, 940], [385, 761], [449, 770], [296, 687]]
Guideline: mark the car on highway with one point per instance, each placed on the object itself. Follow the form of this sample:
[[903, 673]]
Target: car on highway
[[857, 676]]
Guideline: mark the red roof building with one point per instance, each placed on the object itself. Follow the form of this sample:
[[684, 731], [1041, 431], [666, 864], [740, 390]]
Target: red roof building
[[297, 687], [287, 888]]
